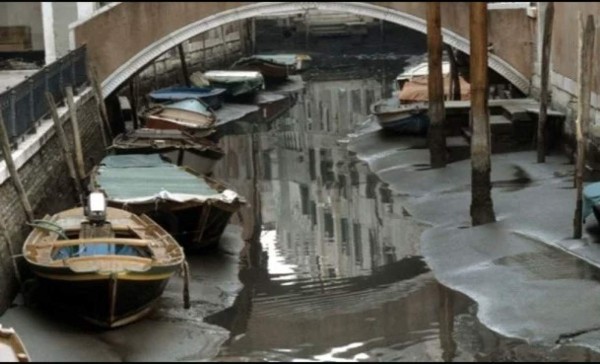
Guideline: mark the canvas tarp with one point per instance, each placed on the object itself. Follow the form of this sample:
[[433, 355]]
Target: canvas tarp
[[139, 178], [417, 90]]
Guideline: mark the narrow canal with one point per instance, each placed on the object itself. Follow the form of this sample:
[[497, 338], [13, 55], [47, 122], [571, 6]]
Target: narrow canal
[[322, 265], [335, 273]]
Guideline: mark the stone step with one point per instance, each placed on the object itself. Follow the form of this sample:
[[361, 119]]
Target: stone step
[[499, 124], [458, 148]]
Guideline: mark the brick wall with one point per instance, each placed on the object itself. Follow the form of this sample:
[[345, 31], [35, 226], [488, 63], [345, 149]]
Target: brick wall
[[46, 179]]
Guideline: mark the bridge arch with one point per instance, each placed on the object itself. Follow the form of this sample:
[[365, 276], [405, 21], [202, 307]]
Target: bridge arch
[[142, 58]]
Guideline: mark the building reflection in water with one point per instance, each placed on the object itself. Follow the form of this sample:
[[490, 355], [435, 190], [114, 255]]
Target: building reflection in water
[[332, 267]]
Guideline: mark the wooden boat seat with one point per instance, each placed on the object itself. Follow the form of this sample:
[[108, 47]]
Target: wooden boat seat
[[108, 263]]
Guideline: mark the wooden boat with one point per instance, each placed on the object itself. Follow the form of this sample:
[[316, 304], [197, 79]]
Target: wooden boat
[[181, 148], [294, 63], [408, 119], [107, 265], [239, 84], [213, 97], [270, 69], [12, 349], [192, 208], [191, 115]]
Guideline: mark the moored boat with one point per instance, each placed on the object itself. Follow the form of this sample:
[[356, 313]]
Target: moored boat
[[239, 84], [271, 69], [413, 84], [106, 265], [194, 209], [296, 62], [213, 97], [410, 119], [12, 349], [191, 115], [180, 147]]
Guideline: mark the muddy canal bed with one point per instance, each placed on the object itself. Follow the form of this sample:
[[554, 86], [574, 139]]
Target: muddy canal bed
[[323, 265]]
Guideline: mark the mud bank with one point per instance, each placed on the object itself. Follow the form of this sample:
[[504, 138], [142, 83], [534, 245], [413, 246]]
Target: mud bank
[[524, 270]]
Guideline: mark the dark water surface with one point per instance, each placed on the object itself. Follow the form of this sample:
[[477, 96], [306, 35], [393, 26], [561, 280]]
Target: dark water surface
[[335, 272]]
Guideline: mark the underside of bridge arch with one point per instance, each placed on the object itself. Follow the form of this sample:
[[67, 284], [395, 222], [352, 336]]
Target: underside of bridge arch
[[411, 17]]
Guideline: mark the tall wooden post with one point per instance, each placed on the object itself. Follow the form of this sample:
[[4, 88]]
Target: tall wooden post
[[133, 101], [546, 47], [12, 170], [454, 92], [76, 135], [65, 148], [184, 69], [101, 106], [253, 35], [435, 86], [482, 209], [584, 79]]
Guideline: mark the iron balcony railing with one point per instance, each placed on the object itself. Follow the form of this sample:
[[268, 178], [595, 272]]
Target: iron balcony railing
[[23, 106]]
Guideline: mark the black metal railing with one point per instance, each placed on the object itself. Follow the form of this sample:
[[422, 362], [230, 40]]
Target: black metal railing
[[24, 105]]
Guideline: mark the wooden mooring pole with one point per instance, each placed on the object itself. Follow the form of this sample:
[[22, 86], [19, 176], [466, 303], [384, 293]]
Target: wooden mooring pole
[[482, 209], [545, 75], [584, 79], [435, 86], [65, 148], [12, 170], [104, 124], [454, 91], [184, 69], [13, 256], [133, 101], [76, 135]]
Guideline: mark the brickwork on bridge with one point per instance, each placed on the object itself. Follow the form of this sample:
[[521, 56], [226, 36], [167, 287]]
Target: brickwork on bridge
[[46, 179]]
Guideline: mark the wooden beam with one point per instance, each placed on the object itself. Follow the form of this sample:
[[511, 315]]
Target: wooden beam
[[184, 69], [12, 170], [9, 246], [584, 79], [482, 209], [435, 86], [76, 134], [454, 92], [546, 48], [104, 124], [65, 148], [133, 101]]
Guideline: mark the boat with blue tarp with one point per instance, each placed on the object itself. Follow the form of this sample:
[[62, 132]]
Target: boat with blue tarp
[[591, 200], [213, 97], [194, 209]]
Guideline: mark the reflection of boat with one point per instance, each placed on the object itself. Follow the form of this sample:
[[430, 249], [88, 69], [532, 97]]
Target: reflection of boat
[[213, 97], [237, 83], [413, 84], [273, 69], [12, 349], [104, 264], [410, 119], [190, 114], [177, 145], [194, 209]]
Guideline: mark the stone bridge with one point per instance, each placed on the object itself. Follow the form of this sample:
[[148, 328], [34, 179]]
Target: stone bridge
[[124, 37]]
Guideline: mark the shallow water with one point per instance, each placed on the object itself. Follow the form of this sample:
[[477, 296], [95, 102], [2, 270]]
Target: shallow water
[[338, 274]]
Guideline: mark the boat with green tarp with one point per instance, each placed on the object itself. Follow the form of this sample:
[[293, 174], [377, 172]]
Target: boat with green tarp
[[194, 209]]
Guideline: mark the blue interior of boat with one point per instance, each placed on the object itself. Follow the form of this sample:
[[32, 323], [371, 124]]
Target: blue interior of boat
[[88, 250]]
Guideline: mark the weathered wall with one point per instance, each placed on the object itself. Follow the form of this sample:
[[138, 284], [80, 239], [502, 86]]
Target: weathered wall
[[217, 48], [564, 65], [135, 26], [24, 13], [46, 180]]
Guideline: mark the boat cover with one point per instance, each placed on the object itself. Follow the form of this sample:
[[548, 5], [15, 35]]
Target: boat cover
[[417, 90], [287, 59], [141, 178], [178, 93], [192, 105], [591, 196]]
